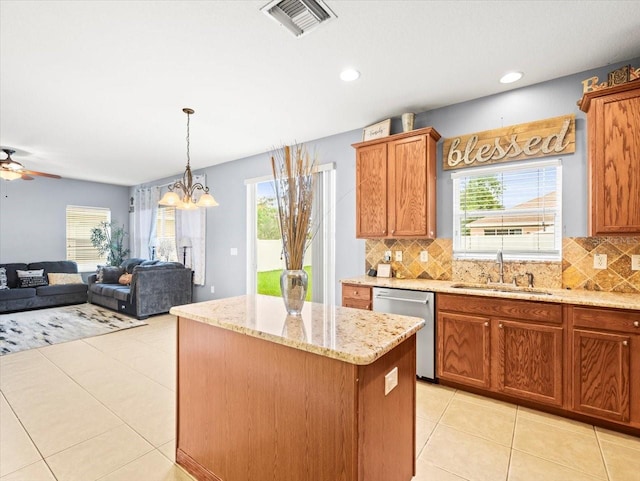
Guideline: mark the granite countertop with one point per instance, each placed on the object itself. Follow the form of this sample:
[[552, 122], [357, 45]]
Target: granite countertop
[[355, 336], [562, 296]]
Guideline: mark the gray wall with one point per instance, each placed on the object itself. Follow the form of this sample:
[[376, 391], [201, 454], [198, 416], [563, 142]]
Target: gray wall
[[33, 214], [32, 224], [226, 224]]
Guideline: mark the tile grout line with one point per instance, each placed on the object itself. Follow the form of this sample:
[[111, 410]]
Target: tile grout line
[[604, 461], [42, 458], [513, 437], [98, 400]]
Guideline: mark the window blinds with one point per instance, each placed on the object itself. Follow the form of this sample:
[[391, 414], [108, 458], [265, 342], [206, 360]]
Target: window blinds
[[514, 208], [80, 221]]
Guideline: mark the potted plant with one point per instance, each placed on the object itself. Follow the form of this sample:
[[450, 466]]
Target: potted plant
[[108, 238]]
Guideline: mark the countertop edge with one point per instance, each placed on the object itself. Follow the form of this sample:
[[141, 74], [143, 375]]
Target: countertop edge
[[361, 360], [629, 301]]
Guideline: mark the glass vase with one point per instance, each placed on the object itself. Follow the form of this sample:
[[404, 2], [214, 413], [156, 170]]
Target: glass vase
[[293, 284]]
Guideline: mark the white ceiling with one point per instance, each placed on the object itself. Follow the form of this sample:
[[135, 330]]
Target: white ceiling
[[94, 90]]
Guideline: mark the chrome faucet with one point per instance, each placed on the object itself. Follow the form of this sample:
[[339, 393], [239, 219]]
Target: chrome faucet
[[500, 263]]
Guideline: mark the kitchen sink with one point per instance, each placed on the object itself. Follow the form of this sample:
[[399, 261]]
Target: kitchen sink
[[500, 288]]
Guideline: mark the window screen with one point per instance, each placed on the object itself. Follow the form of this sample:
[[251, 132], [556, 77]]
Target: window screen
[[80, 221], [514, 208]]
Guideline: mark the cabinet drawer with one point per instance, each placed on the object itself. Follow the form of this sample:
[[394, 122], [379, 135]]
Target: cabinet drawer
[[366, 305], [353, 292], [607, 319], [495, 307]]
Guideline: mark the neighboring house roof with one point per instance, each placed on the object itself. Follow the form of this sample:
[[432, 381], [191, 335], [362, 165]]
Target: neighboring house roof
[[548, 201]]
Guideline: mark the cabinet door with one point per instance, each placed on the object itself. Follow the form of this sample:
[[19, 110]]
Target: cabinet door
[[601, 374], [371, 191], [464, 349], [614, 155], [408, 187], [530, 361]]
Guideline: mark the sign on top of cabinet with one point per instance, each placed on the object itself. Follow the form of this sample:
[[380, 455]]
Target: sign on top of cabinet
[[613, 136], [396, 186]]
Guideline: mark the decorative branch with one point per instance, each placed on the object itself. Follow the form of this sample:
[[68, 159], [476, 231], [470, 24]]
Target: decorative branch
[[294, 177]]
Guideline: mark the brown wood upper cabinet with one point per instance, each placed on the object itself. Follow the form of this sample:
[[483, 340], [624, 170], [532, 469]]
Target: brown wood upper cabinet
[[396, 186], [613, 134]]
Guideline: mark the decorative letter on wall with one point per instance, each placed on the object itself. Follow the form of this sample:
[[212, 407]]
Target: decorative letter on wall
[[555, 136]]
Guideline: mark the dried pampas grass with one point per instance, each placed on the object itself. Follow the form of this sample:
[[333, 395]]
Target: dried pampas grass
[[293, 175]]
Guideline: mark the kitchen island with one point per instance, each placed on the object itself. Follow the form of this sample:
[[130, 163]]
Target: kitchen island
[[266, 396]]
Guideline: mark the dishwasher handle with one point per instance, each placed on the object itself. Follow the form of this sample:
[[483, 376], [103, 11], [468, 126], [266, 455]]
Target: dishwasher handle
[[402, 299]]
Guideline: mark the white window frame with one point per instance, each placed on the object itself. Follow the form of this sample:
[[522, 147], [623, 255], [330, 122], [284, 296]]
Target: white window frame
[[323, 280], [549, 255], [85, 263]]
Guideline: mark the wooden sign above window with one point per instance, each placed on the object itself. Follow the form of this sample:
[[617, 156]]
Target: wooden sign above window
[[555, 136]]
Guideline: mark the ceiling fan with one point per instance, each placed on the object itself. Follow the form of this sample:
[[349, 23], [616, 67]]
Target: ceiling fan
[[11, 170]]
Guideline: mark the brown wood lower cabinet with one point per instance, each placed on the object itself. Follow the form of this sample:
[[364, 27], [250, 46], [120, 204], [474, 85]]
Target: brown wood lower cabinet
[[583, 362], [606, 363], [508, 346], [354, 295], [530, 361], [252, 409], [464, 348]]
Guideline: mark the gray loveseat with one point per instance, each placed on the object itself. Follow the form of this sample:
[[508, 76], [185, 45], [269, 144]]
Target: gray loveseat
[[17, 298], [155, 287]]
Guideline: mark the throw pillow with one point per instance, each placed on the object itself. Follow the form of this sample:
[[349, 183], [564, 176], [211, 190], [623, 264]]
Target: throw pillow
[[125, 279], [109, 274], [3, 278], [32, 278], [32, 273], [60, 278]]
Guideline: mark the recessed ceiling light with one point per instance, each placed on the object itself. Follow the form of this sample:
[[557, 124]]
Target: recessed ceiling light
[[349, 75], [511, 77]]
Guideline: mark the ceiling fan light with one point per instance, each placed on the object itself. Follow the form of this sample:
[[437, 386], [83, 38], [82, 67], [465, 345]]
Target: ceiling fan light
[[9, 174], [207, 200], [170, 199]]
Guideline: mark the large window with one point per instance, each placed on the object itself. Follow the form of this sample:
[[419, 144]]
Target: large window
[[515, 208], [165, 241], [264, 246], [80, 221]]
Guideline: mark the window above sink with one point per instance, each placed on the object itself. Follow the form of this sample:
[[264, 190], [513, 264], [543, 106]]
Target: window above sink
[[515, 208]]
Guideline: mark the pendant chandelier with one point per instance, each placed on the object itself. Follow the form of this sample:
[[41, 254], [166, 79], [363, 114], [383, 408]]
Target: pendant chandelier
[[184, 197]]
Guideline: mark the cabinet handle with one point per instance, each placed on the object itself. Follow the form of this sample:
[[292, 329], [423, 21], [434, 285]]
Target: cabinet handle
[[486, 324], [500, 326], [636, 323], [384, 231], [393, 231], [625, 343], [355, 293]]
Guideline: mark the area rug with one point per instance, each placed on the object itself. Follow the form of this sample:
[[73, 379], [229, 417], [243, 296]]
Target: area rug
[[31, 329]]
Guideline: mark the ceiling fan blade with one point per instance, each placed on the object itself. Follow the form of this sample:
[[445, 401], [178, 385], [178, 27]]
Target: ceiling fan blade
[[26, 177], [41, 174]]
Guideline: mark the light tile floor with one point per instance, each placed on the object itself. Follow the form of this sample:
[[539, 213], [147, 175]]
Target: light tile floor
[[103, 409]]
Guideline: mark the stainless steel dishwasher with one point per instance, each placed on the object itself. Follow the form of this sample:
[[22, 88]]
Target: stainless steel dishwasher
[[416, 304]]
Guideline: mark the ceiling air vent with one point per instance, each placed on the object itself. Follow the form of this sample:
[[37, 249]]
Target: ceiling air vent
[[298, 16]]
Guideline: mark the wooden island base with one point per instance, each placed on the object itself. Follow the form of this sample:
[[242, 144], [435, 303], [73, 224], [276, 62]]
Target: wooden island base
[[253, 410]]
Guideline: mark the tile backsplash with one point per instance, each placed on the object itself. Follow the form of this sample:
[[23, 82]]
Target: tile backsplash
[[576, 270]]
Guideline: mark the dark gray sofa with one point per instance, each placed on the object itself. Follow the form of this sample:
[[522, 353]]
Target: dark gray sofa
[[155, 288], [23, 298]]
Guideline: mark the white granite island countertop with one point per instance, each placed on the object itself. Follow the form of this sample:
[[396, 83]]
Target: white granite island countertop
[[352, 335]]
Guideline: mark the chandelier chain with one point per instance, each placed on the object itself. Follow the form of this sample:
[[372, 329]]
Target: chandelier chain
[[188, 141]]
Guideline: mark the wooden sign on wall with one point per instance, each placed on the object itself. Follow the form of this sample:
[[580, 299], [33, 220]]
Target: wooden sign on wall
[[555, 136]]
